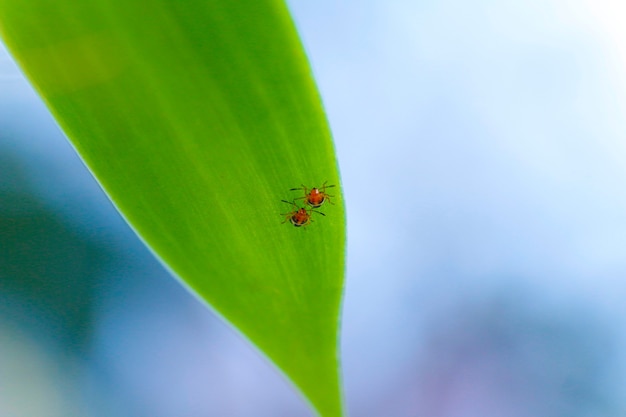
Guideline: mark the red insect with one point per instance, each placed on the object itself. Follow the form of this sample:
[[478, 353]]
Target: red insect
[[315, 197], [299, 217]]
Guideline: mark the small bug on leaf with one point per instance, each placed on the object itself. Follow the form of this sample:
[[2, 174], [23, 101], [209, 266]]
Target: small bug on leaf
[[299, 217], [315, 197]]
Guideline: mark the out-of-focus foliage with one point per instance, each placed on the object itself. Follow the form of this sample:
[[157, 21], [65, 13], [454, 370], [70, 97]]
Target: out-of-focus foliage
[[45, 263]]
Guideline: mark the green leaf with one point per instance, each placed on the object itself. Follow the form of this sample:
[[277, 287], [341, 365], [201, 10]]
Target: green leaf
[[197, 118]]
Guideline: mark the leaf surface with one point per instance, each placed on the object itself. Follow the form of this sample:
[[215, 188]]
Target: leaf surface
[[197, 118]]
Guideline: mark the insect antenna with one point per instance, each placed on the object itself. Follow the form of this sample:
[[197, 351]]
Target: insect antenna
[[290, 202], [302, 187]]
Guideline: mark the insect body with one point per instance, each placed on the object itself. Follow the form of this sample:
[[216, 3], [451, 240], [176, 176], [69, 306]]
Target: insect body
[[315, 197], [299, 217]]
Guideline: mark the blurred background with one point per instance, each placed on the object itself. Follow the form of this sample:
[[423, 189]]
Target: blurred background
[[483, 152]]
